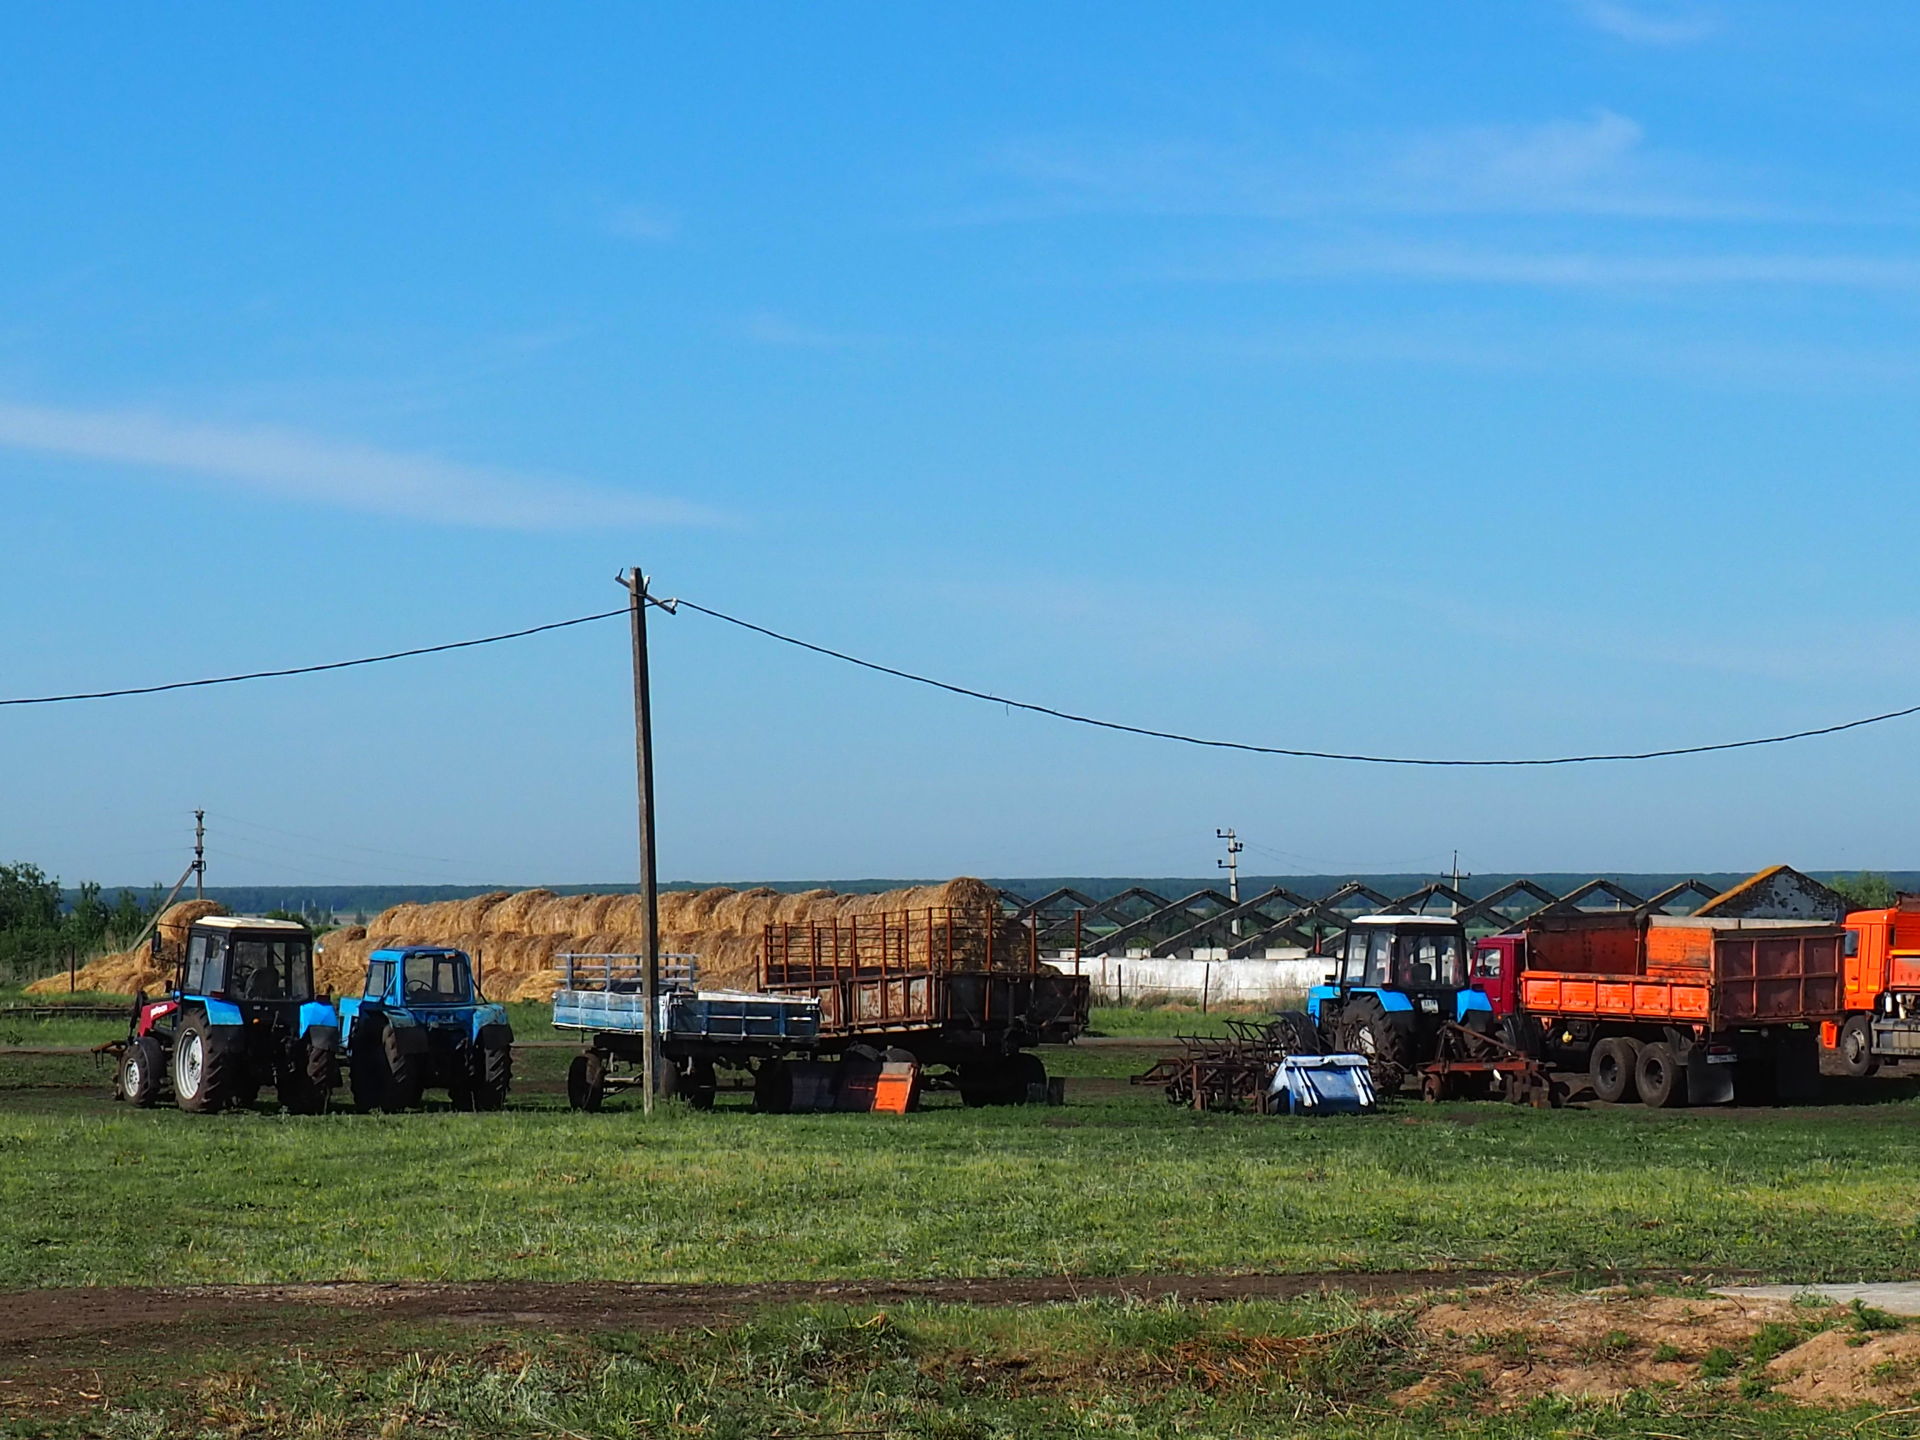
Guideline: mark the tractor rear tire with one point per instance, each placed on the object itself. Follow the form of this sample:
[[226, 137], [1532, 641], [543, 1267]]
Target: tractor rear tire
[[1660, 1077], [491, 1078], [586, 1082], [367, 1075], [305, 1086], [1365, 1029], [1615, 1070], [1856, 1047], [203, 1079], [404, 1080], [1295, 1031], [143, 1068]]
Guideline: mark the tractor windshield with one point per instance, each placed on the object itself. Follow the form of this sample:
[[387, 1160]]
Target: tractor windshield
[[1432, 962], [437, 979], [259, 968]]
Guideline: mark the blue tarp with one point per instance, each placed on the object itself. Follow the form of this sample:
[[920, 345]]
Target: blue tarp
[[1321, 1085]]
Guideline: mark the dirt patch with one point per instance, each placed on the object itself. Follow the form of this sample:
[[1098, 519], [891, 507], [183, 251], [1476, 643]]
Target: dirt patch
[[1848, 1366], [1513, 1345]]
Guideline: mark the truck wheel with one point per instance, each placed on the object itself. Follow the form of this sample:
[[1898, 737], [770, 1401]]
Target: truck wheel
[[1295, 1030], [586, 1083], [1661, 1078], [1615, 1070], [202, 1072], [404, 1080], [1366, 1030], [1856, 1047], [141, 1066]]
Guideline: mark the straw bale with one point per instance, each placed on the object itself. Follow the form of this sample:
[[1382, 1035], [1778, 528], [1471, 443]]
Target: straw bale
[[510, 914], [555, 915], [137, 969], [594, 909]]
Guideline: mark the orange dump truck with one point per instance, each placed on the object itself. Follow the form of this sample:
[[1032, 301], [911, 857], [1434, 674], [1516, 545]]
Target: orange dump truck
[[1679, 1010], [1881, 996]]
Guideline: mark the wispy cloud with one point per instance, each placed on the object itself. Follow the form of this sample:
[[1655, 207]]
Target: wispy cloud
[[1641, 25], [643, 222], [1569, 269], [291, 465], [1600, 163]]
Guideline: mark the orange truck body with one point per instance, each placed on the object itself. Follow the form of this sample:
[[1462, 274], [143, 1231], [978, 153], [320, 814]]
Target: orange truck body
[[1881, 993], [1707, 974]]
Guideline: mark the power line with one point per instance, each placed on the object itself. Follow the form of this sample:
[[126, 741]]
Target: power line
[[1242, 745], [347, 844], [315, 669]]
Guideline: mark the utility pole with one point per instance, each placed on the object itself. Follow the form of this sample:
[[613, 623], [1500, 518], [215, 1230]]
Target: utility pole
[[199, 854], [1232, 866], [1457, 878], [636, 587]]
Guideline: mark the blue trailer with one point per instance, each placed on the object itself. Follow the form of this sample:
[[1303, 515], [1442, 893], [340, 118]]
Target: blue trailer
[[701, 1031]]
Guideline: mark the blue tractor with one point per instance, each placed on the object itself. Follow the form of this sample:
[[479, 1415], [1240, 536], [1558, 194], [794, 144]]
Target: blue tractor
[[241, 1015], [1398, 982], [421, 1021]]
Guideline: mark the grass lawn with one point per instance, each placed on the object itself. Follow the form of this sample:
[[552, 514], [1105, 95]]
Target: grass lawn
[[1115, 1182]]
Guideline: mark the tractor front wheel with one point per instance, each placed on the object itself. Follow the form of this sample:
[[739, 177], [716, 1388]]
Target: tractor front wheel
[[1365, 1029], [142, 1066], [202, 1073]]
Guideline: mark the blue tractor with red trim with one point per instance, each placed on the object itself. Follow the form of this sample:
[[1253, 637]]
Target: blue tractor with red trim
[[240, 1016]]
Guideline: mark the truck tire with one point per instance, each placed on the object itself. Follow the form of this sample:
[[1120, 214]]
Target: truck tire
[[404, 1080], [1661, 1078], [1295, 1031], [1615, 1071], [142, 1065], [586, 1083], [202, 1070], [1856, 1047], [1365, 1030]]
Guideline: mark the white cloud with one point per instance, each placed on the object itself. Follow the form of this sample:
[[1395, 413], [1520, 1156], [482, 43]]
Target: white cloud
[[289, 465], [643, 222], [1639, 26]]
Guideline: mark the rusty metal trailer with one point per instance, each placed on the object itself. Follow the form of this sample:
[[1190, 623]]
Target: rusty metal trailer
[[1678, 1010], [947, 988]]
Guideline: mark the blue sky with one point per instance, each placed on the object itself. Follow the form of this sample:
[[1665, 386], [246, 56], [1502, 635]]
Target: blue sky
[[1513, 378]]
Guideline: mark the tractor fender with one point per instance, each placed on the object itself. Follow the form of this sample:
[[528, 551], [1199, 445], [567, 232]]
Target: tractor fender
[[1468, 1001], [318, 1015], [1317, 996], [1391, 1001], [496, 1036], [154, 1012], [222, 1012]]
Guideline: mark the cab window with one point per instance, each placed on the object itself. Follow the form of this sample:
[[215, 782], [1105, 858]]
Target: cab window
[[1851, 945], [379, 978], [196, 964], [436, 979], [1486, 962], [1380, 958]]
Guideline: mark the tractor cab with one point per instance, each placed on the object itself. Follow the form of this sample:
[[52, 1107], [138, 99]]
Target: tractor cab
[[1397, 980], [247, 962]]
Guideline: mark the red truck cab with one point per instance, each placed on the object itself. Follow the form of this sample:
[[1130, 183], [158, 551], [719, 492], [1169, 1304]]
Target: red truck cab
[[1495, 970]]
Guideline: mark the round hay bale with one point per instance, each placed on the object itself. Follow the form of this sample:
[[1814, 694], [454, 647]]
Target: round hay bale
[[510, 915], [469, 917], [176, 920]]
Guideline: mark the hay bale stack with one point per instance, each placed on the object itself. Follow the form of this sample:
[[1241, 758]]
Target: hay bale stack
[[516, 937], [137, 969]]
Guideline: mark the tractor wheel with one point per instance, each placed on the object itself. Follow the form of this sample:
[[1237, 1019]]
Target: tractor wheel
[[1026, 1079], [143, 1066], [305, 1083], [404, 1080], [202, 1071], [492, 1077], [1661, 1078], [246, 1093], [367, 1075], [1297, 1033], [1615, 1071], [586, 1082], [1366, 1030], [1856, 1047]]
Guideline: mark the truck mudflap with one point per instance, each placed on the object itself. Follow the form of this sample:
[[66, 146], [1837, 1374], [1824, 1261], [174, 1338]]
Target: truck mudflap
[[1710, 1071]]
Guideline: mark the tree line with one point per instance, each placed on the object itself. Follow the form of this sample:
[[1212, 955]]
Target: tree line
[[41, 924]]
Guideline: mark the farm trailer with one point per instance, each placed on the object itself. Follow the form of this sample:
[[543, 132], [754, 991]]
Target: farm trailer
[[944, 988], [701, 1031], [1679, 1010]]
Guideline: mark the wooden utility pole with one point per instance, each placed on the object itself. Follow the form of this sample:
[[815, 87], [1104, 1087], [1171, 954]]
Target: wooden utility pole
[[637, 602], [199, 854]]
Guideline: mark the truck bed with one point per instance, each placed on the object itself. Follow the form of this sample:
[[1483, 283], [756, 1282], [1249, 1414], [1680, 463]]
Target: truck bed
[[1720, 975]]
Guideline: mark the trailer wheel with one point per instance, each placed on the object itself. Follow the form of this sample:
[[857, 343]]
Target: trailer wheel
[[773, 1088], [141, 1066], [1856, 1047], [1615, 1070], [698, 1084], [202, 1073], [586, 1082], [1661, 1078], [1026, 1079]]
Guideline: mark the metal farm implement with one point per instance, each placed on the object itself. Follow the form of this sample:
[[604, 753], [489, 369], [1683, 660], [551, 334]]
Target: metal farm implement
[[1469, 1065], [1225, 1072]]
